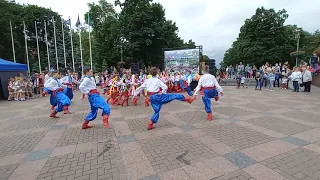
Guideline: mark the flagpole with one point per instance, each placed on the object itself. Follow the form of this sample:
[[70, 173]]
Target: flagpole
[[71, 46], [80, 49], [64, 46], [13, 50], [35, 25], [90, 41], [55, 42], [47, 44], [26, 44]]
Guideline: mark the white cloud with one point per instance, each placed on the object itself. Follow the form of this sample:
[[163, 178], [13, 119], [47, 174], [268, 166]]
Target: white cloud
[[213, 24]]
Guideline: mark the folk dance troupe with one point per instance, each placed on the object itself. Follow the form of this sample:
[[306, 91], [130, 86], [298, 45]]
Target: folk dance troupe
[[157, 90]]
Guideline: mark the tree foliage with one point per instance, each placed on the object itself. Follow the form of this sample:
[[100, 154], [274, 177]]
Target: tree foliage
[[139, 33], [265, 38]]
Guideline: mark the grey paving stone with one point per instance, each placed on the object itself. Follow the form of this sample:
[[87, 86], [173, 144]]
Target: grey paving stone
[[295, 141], [239, 159], [192, 118], [6, 171], [187, 127], [173, 151], [126, 139], [296, 164], [232, 119], [235, 175], [98, 163], [77, 135], [33, 156], [32, 123], [18, 144], [56, 127], [236, 136], [280, 125], [154, 177], [140, 124]]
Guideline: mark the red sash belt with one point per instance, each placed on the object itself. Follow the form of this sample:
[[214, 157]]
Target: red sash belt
[[94, 91], [206, 88], [57, 90], [152, 93], [67, 84]]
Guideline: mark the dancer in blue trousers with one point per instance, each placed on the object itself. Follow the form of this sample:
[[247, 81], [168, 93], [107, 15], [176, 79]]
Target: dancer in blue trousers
[[208, 87], [88, 86], [63, 102], [189, 80], [157, 97], [68, 80]]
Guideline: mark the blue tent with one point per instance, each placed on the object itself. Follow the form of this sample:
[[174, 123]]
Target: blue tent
[[12, 66]]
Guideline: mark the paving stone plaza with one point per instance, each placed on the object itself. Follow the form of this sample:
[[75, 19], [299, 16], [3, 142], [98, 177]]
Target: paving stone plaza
[[255, 135]]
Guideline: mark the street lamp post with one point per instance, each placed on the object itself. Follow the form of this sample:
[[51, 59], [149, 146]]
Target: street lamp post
[[298, 41]]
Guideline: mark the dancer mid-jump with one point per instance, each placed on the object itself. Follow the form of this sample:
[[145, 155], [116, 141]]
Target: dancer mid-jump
[[88, 86], [157, 97], [209, 88]]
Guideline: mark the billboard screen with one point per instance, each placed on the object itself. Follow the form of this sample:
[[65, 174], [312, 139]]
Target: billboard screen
[[182, 60]]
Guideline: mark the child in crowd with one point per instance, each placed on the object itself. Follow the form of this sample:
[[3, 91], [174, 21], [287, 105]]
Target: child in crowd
[[271, 78], [284, 81], [243, 80], [258, 78], [238, 78]]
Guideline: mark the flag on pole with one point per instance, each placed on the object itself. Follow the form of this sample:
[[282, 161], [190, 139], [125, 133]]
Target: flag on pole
[[47, 44], [78, 24], [36, 29], [67, 22], [55, 42], [13, 50], [90, 25], [64, 46], [26, 44]]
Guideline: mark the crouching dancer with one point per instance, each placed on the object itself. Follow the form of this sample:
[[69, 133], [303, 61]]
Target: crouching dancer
[[157, 98], [88, 86], [209, 88], [60, 98]]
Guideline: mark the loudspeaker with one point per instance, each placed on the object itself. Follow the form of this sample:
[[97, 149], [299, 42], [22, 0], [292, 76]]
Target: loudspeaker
[[134, 68]]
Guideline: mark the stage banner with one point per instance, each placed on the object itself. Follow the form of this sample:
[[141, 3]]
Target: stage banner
[[182, 60]]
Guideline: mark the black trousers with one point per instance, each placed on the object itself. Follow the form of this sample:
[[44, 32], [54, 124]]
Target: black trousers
[[307, 86]]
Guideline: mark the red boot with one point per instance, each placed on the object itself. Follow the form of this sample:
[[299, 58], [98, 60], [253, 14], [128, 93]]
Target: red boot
[[135, 101], [190, 99], [85, 125], [209, 118], [83, 96], [52, 107], [126, 99], [217, 98], [66, 110], [146, 102], [151, 125], [105, 121], [53, 114]]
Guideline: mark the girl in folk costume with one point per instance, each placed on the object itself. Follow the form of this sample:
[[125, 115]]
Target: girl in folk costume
[[182, 81], [68, 81], [124, 95], [134, 84], [88, 86], [176, 82], [22, 89], [10, 89], [170, 80], [209, 88], [29, 87], [114, 91], [57, 88], [158, 98]]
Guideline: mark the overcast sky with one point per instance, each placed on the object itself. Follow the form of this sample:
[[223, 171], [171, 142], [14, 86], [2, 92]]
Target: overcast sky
[[214, 24]]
